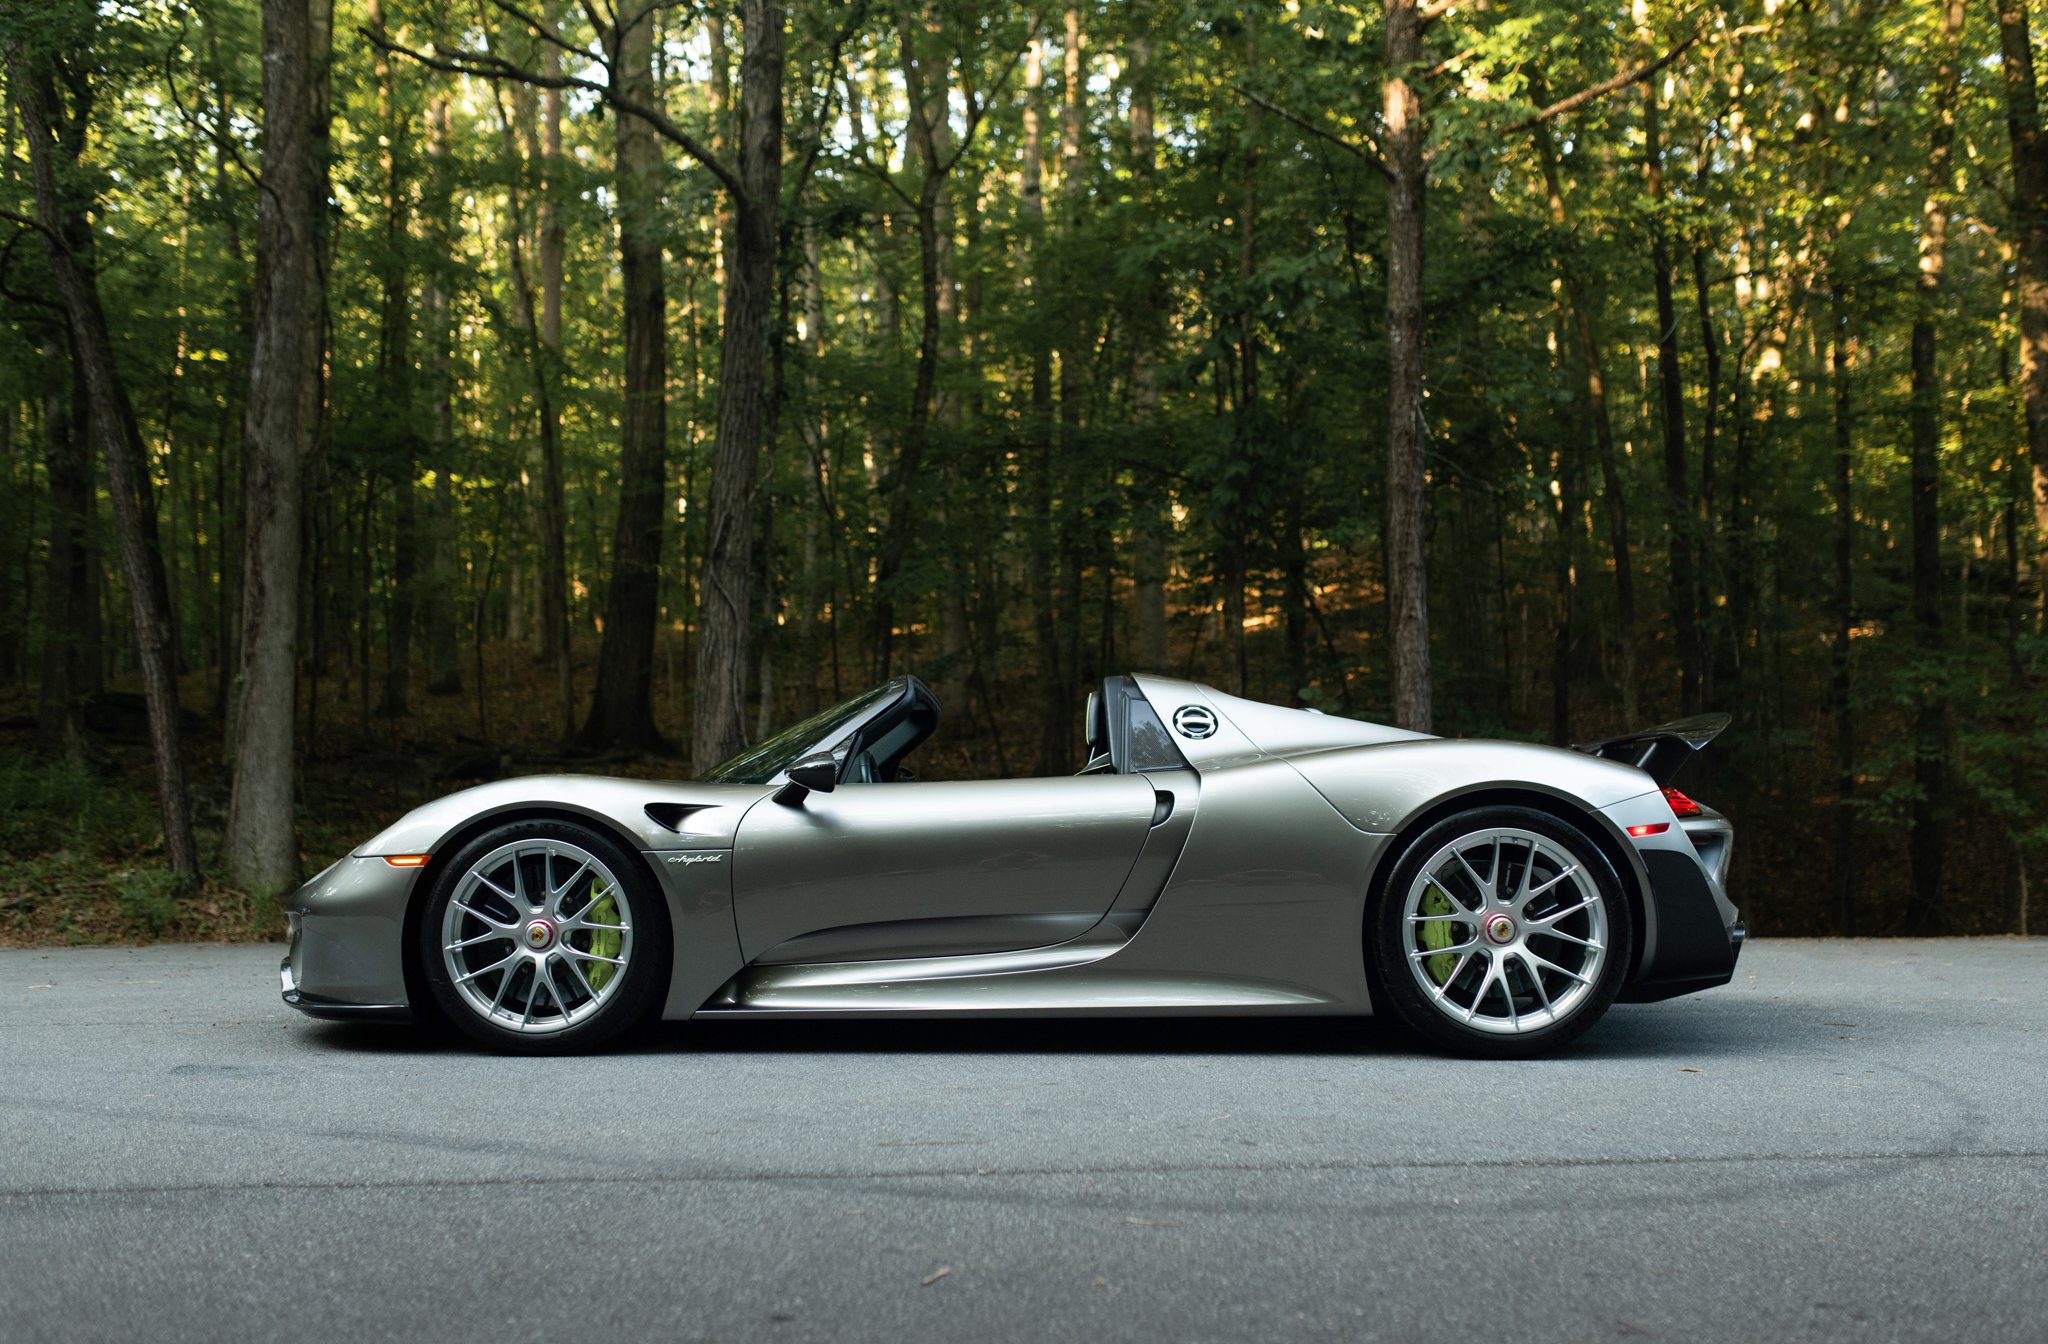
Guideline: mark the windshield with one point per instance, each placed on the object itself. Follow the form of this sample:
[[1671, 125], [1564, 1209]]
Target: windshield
[[758, 765]]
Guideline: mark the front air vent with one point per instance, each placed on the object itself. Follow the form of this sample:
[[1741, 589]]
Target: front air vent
[[671, 816]]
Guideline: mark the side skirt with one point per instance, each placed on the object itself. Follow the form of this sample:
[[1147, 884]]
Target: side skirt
[[1069, 979]]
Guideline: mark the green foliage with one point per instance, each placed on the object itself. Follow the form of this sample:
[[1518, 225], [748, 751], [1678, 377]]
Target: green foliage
[[148, 897], [1188, 343], [63, 805]]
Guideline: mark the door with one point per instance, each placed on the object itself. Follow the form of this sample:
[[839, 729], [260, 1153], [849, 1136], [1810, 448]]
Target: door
[[874, 871]]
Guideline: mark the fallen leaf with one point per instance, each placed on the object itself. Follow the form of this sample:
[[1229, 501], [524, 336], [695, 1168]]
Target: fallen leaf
[[1688, 1069], [941, 1272], [1151, 1222]]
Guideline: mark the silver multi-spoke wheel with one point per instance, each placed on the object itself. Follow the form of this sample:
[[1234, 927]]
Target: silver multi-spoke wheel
[[1505, 931], [537, 936]]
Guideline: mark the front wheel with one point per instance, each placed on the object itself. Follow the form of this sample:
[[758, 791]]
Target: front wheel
[[544, 937], [1502, 932]]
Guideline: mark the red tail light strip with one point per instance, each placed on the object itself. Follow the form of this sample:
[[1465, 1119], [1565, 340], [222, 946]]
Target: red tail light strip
[[1681, 806]]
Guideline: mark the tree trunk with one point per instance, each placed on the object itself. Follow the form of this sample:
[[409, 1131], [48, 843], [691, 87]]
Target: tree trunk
[[70, 661], [1843, 352], [1585, 341], [721, 692], [554, 648], [112, 418], [2030, 228], [1925, 912], [395, 385], [927, 121], [1678, 491], [1150, 522], [1564, 584], [1078, 541], [622, 701], [1237, 526], [2030, 219], [541, 321], [1055, 715], [444, 587], [1407, 573], [1702, 507]]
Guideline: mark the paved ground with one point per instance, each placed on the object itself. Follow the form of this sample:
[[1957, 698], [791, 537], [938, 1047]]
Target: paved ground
[[1849, 1143]]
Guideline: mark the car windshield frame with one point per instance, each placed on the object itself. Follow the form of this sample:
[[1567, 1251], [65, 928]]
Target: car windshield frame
[[760, 764]]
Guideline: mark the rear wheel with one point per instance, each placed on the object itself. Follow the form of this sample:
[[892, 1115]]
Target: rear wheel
[[544, 937], [1502, 932]]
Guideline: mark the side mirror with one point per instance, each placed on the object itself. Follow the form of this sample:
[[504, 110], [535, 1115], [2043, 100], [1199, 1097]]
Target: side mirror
[[813, 774]]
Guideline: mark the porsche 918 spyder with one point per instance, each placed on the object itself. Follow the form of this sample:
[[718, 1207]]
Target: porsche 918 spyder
[[1215, 856]]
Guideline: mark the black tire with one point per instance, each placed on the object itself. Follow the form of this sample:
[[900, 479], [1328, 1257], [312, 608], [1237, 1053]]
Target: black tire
[[590, 1006], [1596, 911]]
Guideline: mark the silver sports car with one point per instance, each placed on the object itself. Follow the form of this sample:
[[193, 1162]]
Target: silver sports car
[[1215, 856]]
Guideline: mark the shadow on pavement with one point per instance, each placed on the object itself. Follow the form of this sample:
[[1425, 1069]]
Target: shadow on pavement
[[1683, 1030]]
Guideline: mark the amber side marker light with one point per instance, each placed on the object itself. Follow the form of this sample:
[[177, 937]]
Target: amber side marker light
[[1649, 828], [407, 860]]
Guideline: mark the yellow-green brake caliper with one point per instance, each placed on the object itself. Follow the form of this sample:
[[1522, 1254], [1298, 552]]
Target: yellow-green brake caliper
[[1437, 933], [603, 942]]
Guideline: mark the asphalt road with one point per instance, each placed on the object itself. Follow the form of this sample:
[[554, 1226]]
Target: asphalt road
[[1850, 1142]]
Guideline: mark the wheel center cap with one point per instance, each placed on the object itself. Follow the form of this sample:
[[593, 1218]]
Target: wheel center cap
[[1500, 929], [540, 935]]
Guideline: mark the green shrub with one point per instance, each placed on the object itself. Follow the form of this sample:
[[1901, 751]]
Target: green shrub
[[148, 898], [47, 806]]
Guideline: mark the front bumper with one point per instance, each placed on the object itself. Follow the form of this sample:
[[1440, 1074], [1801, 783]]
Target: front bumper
[[347, 942], [312, 1005]]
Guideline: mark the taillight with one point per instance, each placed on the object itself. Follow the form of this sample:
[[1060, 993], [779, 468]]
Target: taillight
[[1681, 806]]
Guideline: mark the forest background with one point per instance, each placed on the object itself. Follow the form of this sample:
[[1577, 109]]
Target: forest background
[[399, 393]]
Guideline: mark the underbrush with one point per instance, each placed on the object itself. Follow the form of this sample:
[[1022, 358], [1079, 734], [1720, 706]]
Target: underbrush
[[83, 861]]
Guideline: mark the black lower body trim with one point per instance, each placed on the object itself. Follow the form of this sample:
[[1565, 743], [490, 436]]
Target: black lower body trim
[[1695, 950]]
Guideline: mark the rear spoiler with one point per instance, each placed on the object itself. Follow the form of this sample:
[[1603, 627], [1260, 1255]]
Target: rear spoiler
[[1662, 751]]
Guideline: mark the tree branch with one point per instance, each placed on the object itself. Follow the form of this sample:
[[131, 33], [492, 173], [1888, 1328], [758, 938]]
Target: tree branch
[[1603, 88], [977, 108], [1450, 63], [483, 65], [28, 223], [1366, 153], [223, 143], [814, 134], [545, 31]]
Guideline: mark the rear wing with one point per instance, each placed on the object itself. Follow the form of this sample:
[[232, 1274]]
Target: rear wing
[[1662, 751]]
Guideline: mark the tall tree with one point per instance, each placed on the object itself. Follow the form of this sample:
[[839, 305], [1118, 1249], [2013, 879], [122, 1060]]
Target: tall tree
[[755, 188], [397, 414], [71, 666], [277, 435], [1926, 843], [622, 701], [1683, 599], [1149, 519], [554, 649], [1407, 172], [1584, 322], [2030, 218], [35, 71], [1055, 716], [443, 597]]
